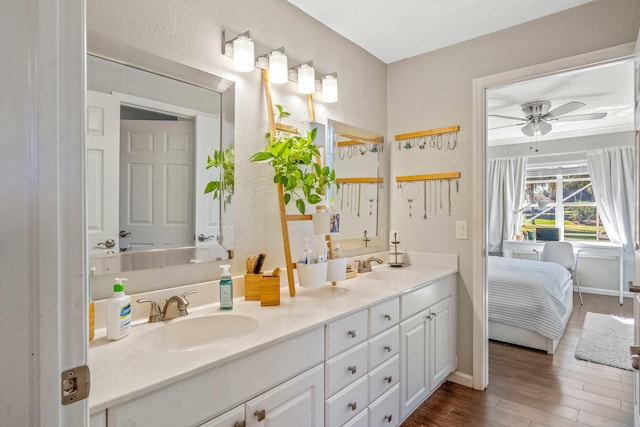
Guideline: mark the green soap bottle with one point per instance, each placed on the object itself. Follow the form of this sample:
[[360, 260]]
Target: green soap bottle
[[226, 289]]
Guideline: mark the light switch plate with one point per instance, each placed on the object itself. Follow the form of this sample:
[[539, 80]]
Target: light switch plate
[[461, 230]]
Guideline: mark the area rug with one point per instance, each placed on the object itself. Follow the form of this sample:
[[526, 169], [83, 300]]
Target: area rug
[[605, 340]]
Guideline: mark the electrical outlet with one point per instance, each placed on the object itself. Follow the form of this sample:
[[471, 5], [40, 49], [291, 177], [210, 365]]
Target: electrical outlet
[[461, 230]]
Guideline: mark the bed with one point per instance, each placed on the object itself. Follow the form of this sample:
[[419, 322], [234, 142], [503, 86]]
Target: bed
[[529, 302]]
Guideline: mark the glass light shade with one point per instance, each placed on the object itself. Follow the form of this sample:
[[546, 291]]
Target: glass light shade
[[306, 79], [243, 57], [330, 89], [278, 69]]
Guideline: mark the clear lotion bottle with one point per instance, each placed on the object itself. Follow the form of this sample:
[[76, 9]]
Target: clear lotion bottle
[[226, 289]]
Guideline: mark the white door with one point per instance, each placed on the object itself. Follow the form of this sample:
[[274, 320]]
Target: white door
[[207, 209], [157, 185], [636, 277], [102, 171]]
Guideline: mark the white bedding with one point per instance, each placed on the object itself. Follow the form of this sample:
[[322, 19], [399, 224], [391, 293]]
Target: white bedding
[[528, 294]]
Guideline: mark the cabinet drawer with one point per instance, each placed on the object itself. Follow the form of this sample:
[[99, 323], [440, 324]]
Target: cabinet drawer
[[345, 368], [384, 315], [346, 333], [384, 346], [347, 403], [361, 420], [419, 299], [385, 411], [384, 378]]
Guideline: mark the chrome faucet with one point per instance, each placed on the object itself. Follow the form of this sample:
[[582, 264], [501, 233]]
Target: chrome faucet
[[365, 266], [175, 306]]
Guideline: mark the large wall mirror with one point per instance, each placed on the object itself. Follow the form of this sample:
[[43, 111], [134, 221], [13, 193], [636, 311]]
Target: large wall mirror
[[357, 155], [152, 126]]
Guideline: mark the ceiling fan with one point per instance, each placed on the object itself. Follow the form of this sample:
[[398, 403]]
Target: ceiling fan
[[537, 116]]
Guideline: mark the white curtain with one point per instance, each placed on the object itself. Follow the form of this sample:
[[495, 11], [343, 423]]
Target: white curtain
[[505, 180], [611, 171]]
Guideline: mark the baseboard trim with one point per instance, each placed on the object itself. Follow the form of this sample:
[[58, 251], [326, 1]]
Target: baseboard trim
[[461, 378]]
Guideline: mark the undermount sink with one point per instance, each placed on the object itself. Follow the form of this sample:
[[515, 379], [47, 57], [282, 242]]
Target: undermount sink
[[393, 275], [192, 333]]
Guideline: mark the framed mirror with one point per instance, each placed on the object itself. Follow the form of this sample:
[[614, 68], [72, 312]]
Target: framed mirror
[[357, 155], [158, 134]]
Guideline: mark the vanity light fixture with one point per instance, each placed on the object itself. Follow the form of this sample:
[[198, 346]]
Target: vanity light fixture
[[278, 69], [243, 53], [306, 78], [330, 87]]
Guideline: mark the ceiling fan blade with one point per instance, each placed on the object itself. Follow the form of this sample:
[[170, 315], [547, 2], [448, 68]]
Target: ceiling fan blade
[[507, 126], [528, 129], [563, 109], [544, 127], [577, 117], [522, 119]]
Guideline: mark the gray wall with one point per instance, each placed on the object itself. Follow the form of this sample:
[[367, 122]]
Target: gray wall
[[435, 90]]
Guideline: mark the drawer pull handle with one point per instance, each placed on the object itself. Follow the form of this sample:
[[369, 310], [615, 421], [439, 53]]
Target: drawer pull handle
[[388, 418], [239, 424], [261, 414], [435, 314], [387, 348], [388, 379], [352, 333], [429, 316], [353, 405], [387, 316], [353, 369]]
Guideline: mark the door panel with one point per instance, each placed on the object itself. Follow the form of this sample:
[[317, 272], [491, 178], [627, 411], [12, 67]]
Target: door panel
[[156, 192], [103, 151], [207, 209]]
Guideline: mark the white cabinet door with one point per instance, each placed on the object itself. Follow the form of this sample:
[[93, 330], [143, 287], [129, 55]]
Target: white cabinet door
[[414, 350], [442, 341], [232, 418], [297, 402]]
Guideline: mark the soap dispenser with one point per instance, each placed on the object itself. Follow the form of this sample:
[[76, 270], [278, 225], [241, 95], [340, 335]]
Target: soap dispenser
[[118, 312], [226, 289]]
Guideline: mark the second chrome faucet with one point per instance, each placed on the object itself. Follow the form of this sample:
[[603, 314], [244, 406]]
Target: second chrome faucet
[[175, 306]]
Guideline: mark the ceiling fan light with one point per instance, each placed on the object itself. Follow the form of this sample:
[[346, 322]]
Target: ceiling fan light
[[528, 129], [544, 127]]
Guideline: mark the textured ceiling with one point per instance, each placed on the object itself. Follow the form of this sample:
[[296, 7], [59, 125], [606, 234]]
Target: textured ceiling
[[399, 29]]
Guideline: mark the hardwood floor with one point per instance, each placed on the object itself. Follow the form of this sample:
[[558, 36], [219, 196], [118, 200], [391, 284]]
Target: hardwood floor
[[531, 388]]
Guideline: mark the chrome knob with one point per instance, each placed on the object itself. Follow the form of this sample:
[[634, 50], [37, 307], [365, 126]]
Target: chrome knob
[[387, 316], [353, 369], [353, 405], [351, 333]]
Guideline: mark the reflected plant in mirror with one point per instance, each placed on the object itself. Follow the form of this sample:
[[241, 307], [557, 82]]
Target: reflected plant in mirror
[[222, 188], [292, 157]]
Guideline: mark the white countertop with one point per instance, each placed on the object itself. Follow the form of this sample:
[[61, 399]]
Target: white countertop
[[121, 371]]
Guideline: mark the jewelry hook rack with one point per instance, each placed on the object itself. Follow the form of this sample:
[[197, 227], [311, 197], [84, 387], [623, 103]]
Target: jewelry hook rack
[[432, 191], [443, 139], [353, 147]]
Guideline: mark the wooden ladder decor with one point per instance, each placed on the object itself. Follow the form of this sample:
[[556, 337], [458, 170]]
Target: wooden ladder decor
[[284, 218]]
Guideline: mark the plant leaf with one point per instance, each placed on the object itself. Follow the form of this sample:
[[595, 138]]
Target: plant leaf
[[300, 205]]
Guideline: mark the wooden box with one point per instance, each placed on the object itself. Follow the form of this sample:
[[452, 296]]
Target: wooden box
[[252, 287], [270, 290], [265, 289]]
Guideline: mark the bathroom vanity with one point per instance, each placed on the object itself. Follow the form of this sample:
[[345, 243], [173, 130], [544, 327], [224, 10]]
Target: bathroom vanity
[[366, 352]]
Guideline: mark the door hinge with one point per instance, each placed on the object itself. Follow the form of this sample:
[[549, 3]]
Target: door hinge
[[635, 356], [75, 384]]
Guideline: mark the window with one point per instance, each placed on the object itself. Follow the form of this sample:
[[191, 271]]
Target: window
[[562, 198]]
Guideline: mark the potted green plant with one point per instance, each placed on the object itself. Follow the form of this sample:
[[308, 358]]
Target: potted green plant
[[292, 157], [223, 188]]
